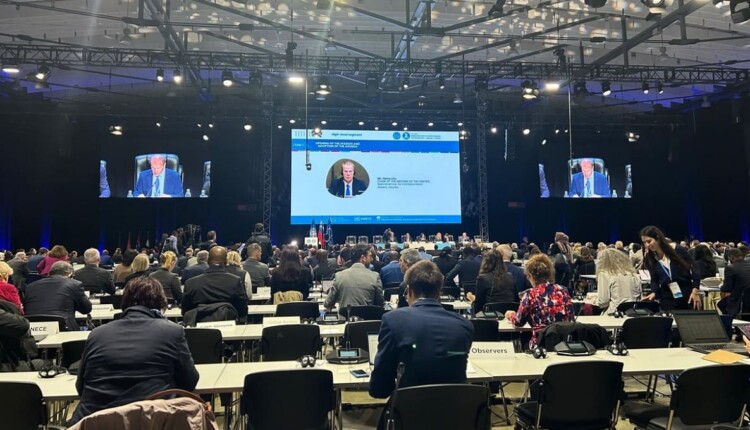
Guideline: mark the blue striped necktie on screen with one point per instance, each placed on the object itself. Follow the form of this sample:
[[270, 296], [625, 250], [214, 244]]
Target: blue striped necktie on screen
[[157, 192], [348, 190], [588, 188]]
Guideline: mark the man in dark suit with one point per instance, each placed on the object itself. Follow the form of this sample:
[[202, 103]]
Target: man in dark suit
[[34, 260], [57, 295], [20, 270], [263, 240], [432, 343], [92, 277], [588, 183], [519, 277], [215, 285], [158, 181], [391, 272], [259, 273], [326, 267], [736, 281], [106, 261], [467, 270], [196, 269], [347, 185]]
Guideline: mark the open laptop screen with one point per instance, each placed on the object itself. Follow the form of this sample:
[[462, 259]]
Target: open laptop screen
[[700, 327], [326, 286]]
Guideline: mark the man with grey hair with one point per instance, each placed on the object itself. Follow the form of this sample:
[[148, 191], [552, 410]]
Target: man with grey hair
[[94, 278], [409, 257], [20, 270], [519, 278], [58, 295], [158, 181], [196, 269]]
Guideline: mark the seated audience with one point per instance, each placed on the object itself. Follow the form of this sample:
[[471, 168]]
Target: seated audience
[[391, 273], [260, 276], [196, 269], [140, 267], [57, 295], [18, 349], [34, 259], [736, 282], [290, 276], [433, 343], [234, 266], [124, 270], [326, 266], [215, 286], [20, 270], [357, 285], [616, 279], [94, 278], [136, 356], [546, 303], [106, 261], [8, 292], [704, 262], [522, 284], [168, 280], [467, 269], [494, 283], [57, 253]]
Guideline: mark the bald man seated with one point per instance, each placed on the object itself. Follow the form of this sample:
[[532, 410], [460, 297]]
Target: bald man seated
[[215, 285]]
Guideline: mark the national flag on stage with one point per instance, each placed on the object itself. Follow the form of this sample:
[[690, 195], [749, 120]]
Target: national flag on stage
[[127, 246], [321, 239], [138, 241], [312, 229], [329, 232]]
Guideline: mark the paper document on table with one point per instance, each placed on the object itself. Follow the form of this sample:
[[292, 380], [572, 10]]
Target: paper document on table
[[723, 357], [470, 368]]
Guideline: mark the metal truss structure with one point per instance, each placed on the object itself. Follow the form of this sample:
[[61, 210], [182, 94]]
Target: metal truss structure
[[268, 160], [510, 68], [481, 130]]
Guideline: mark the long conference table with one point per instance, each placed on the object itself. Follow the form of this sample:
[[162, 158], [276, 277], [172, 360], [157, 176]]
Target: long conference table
[[229, 377]]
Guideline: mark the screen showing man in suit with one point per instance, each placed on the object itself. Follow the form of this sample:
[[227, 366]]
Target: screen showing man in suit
[[347, 185], [588, 183], [158, 181]]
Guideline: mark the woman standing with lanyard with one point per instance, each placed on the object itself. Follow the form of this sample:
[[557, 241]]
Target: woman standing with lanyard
[[673, 281]]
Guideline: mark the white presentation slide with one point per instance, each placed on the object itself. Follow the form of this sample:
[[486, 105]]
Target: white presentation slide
[[376, 177]]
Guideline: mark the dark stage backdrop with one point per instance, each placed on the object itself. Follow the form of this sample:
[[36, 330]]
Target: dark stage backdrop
[[690, 180]]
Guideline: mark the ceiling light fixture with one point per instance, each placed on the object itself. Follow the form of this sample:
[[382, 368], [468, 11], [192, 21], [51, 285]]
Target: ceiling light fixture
[[644, 87], [227, 78], [42, 73], [660, 88], [529, 90], [552, 86], [160, 74], [247, 127], [11, 68], [323, 87], [457, 99], [526, 131], [177, 76], [606, 88]]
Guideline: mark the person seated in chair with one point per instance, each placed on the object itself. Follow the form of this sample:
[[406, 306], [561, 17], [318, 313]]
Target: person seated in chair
[[357, 285], [158, 181], [589, 183], [93, 277], [347, 185]]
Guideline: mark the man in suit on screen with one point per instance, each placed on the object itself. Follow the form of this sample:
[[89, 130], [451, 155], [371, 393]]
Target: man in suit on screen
[[158, 181], [588, 183], [347, 185]]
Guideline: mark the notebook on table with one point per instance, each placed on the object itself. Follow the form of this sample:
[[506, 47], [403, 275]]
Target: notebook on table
[[703, 331]]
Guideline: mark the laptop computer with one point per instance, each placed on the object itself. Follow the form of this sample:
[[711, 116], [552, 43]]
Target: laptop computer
[[703, 331], [326, 286]]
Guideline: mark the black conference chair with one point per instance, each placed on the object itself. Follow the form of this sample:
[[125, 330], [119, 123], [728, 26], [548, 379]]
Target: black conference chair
[[22, 406], [305, 310], [115, 300], [72, 351], [269, 403], [703, 396], [367, 313], [290, 342], [450, 293], [594, 406], [444, 406], [500, 307], [205, 344], [469, 287], [390, 285], [355, 333], [650, 332], [485, 330], [48, 318], [119, 285], [388, 292]]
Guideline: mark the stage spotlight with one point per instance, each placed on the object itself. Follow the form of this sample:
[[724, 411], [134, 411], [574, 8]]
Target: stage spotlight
[[361, 123], [405, 84], [279, 126], [177, 76], [481, 84], [115, 130], [296, 79], [496, 11], [606, 88], [544, 141], [526, 131], [660, 88], [199, 125], [557, 130], [227, 78], [406, 128], [430, 124], [160, 74], [292, 121], [552, 86], [632, 137], [739, 14], [493, 130], [317, 132], [324, 122], [255, 80], [463, 134], [441, 83], [205, 138], [457, 99], [529, 90], [460, 124], [323, 87], [210, 125], [394, 123], [247, 127], [595, 3], [644, 87], [376, 128], [11, 68], [42, 73], [657, 6], [158, 124]]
